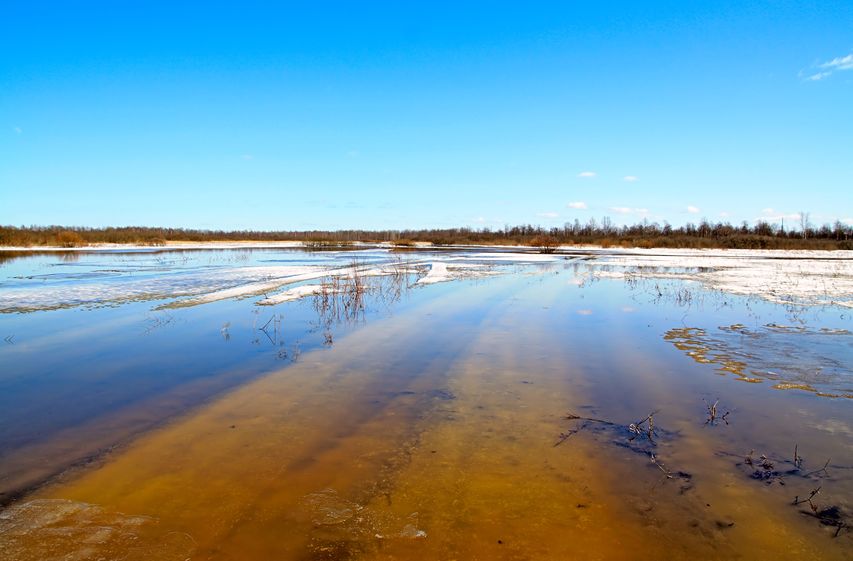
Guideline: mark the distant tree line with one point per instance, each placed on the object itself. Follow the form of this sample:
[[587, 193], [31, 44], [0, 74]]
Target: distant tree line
[[705, 234]]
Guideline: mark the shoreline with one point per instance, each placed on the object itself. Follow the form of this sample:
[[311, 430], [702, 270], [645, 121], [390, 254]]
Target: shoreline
[[592, 250]]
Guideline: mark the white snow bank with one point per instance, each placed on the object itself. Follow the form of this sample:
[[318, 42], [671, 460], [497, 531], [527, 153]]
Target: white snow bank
[[168, 246], [514, 257], [254, 288], [440, 271], [437, 273], [796, 277]]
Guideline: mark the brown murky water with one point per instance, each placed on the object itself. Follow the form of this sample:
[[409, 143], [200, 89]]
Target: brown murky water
[[487, 422]]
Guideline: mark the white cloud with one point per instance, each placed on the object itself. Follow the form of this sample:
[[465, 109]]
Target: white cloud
[[848, 221], [839, 63], [480, 220], [631, 178], [577, 205], [827, 68], [725, 214], [247, 157], [629, 210], [548, 215], [692, 209], [587, 174], [585, 312], [18, 130]]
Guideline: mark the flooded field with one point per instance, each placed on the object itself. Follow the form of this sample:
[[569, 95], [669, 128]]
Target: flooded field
[[447, 404]]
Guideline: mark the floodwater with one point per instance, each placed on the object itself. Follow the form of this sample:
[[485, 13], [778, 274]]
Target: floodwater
[[517, 411]]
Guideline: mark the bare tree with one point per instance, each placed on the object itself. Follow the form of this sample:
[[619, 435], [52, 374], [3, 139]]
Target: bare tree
[[804, 223]]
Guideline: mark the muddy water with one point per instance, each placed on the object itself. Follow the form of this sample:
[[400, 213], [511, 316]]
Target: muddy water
[[489, 420]]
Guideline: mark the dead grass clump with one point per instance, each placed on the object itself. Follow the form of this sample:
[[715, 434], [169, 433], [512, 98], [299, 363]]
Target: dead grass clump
[[545, 244]]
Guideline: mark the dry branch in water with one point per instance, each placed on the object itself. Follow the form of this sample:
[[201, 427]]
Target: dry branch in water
[[645, 427]]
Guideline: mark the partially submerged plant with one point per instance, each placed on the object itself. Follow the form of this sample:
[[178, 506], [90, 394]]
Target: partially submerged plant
[[798, 460], [637, 428], [769, 470], [712, 413], [828, 516]]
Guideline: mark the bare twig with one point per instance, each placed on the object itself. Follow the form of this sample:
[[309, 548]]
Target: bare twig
[[660, 466], [564, 436], [798, 500], [823, 469]]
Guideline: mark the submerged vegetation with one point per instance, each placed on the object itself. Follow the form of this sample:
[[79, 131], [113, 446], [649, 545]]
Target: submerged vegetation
[[761, 235]]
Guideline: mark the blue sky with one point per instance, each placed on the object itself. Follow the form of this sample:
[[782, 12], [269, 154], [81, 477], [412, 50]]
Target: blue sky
[[393, 115]]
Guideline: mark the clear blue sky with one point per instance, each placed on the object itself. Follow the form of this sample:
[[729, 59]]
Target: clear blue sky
[[375, 115]]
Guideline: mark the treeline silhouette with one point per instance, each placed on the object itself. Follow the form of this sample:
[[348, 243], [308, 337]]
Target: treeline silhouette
[[761, 235]]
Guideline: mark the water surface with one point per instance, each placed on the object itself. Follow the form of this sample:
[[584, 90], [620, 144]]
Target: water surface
[[480, 418]]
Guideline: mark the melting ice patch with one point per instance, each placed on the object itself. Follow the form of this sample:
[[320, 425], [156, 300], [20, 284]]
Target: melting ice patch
[[819, 278], [163, 285], [182, 287]]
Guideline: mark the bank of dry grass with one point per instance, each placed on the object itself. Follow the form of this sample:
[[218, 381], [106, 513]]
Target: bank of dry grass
[[705, 235]]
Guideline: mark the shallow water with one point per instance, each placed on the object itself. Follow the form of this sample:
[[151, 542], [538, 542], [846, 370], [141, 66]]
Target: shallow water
[[478, 418]]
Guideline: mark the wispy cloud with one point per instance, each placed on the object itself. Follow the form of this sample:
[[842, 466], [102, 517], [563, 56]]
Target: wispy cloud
[[587, 174], [725, 214], [548, 215], [692, 209], [18, 130], [827, 68], [773, 215], [817, 76], [247, 157], [631, 178], [629, 210], [577, 205]]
